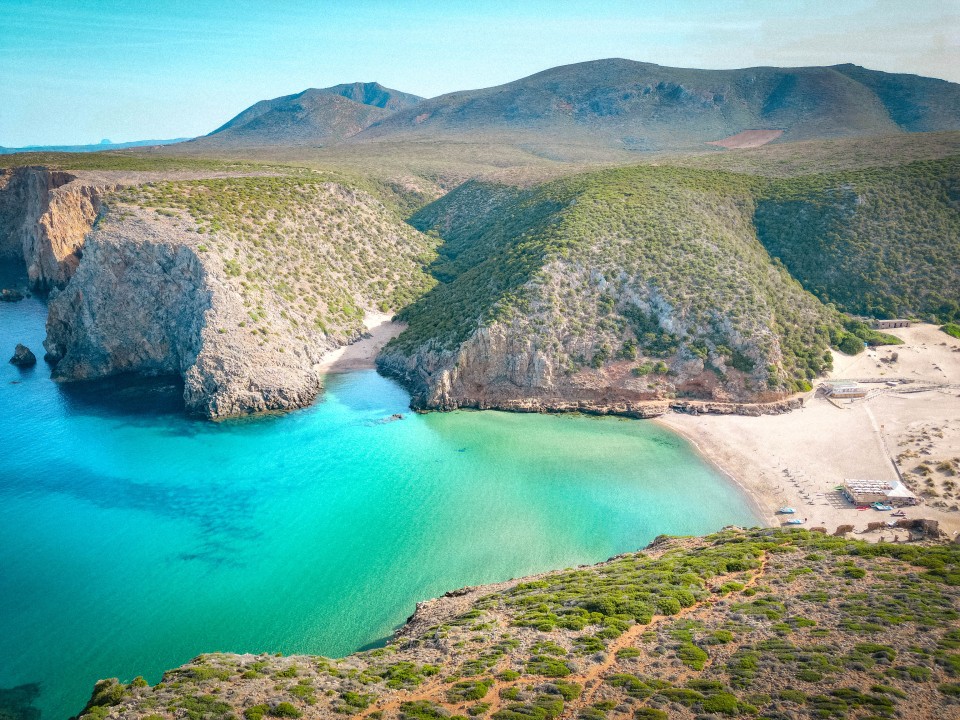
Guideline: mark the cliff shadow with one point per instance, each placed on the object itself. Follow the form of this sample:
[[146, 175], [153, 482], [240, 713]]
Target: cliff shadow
[[126, 396], [13, 274]]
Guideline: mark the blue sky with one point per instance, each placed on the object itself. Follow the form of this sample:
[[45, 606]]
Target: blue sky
[[75, 71]]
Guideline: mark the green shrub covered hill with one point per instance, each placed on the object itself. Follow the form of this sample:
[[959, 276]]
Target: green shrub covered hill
[[753, 624], [662, 281]]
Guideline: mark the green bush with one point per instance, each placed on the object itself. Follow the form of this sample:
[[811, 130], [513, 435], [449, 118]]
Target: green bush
[[468, 690], [850, 345], [547, 666], [692, 656], [285, 710], [951, 329], [422, 710], [722, 702], [256, 712], [648, 713]]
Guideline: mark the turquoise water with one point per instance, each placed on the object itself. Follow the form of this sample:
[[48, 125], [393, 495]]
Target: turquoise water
[[133, 538]]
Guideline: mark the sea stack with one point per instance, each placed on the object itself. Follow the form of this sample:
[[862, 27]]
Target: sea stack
[[23, 357]]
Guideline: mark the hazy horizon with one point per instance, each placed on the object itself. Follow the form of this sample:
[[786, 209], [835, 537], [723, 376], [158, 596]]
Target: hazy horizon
[[133, 71]]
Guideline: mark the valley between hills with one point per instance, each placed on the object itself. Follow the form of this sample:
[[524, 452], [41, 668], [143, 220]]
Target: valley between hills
[[609, 238]]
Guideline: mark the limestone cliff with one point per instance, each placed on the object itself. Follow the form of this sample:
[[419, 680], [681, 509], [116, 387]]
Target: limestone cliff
[[498, 369], [44, 217], [146, 300], [238, 286]]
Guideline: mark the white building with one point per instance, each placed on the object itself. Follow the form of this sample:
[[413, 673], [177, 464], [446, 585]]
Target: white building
[[867, 492]]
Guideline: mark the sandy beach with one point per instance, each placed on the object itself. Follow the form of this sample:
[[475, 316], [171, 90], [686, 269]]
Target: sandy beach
[[362, 354], [799, 458]]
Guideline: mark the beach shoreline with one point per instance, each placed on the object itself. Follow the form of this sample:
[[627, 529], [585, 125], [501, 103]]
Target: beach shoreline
[[798, 459], [362, 354], [758, 500]]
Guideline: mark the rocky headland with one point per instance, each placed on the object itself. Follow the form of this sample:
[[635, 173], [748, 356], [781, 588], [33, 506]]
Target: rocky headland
[[45, 216], [760, 623], [239, 286], [147, 301]]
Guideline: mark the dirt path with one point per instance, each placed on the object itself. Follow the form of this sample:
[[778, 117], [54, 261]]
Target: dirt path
[[434, 690], [592, 680]]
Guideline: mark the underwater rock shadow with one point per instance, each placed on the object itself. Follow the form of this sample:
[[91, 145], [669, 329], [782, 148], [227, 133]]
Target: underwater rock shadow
[[16, 703], [125, 397], [222, 519]]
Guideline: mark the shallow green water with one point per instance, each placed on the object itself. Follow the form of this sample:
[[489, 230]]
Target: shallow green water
[[133, 539]]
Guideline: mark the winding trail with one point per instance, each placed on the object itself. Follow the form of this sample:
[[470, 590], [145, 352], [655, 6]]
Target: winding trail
[[591, 680]]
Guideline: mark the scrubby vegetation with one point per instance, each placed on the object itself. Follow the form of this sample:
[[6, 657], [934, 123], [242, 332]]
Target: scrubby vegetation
[[878, 242], [660, 268], [762, 623], [322, 250], [630, 265]]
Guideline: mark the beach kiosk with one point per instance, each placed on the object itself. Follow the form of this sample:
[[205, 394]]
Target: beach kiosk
[[887, 492], [845, 390]]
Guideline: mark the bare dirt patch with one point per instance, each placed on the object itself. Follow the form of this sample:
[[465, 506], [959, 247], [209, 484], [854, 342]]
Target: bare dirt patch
[[747, 139]]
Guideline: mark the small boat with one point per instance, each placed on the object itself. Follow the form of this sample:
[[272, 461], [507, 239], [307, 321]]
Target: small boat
[[795, 521], [881, 506], [899, 513], [786, 511]]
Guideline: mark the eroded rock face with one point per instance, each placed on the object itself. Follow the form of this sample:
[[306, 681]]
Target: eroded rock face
[[148, 298], [44, 217], [496, 369], [499, 369], [136, 305]]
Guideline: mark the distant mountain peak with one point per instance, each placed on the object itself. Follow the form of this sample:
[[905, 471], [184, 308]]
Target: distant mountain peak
[[315, 116], [615, 103], [375, 94]]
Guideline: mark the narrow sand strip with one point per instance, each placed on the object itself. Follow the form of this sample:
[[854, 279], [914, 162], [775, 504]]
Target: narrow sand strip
[[362, 354]]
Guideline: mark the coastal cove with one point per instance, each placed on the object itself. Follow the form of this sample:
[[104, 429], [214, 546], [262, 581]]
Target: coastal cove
[[133, 538]]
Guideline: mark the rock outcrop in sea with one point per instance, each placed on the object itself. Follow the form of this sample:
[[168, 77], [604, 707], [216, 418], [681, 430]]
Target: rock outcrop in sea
[[23, 357], [10, 295]]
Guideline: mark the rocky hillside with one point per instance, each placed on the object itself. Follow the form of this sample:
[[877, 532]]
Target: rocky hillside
[[312, 117], [881, 242], [603, 291], [642, 106], [238, 285], [763, 623]]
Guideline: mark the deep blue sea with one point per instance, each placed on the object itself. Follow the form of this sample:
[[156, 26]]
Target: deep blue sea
[[133, 538]]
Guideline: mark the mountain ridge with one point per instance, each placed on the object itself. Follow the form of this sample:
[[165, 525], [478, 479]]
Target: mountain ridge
[[314, 116], [644, 106]]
